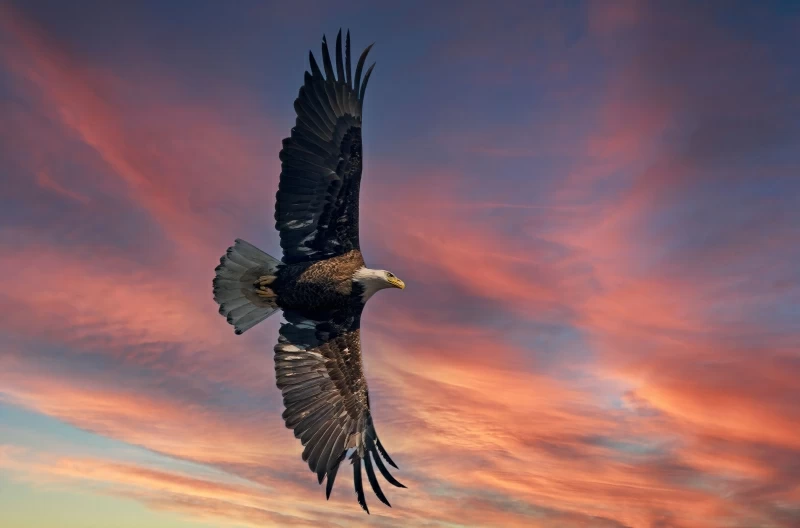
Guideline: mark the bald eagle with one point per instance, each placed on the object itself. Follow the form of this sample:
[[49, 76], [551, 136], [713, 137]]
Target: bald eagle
[[321, 284]]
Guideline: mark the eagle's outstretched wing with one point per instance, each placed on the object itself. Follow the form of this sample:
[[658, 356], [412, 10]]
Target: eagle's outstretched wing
[[316, 208], [318, 369]]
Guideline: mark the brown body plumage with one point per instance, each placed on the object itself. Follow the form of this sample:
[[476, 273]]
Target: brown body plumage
[[319, 285]]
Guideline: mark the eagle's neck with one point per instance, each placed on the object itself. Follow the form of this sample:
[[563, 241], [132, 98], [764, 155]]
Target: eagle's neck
[[370, 281]]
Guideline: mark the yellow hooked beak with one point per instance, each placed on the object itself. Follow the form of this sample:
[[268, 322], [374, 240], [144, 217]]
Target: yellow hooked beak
[[397, 283]]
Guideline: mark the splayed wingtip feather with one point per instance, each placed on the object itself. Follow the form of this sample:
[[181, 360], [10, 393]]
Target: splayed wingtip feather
[[339, 61], [360, 67], [326, 61], [373, 481], [362, 500]]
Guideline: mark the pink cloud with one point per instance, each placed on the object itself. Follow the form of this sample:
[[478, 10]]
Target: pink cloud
[[175, 157]]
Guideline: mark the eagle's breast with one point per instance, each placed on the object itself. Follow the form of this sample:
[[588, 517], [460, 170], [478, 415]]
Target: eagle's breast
[[320, 285]]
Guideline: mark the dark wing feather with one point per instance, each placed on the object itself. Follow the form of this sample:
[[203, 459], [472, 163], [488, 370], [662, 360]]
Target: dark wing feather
[[319, 372], [373, 481], [316, 209]]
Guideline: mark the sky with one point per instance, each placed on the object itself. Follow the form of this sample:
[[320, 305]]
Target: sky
[[595, 207]]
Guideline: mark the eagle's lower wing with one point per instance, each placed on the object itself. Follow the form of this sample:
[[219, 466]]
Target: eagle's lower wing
[[319, 371], [316, 208]]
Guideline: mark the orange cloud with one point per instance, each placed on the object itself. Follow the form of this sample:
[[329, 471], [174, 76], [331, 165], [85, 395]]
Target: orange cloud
[[215, 497], [156, 422]]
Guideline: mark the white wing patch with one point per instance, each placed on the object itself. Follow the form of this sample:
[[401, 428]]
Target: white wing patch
[[298, 224]]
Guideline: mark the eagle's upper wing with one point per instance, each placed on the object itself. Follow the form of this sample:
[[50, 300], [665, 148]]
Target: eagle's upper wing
[[318, 369], [316, 208]]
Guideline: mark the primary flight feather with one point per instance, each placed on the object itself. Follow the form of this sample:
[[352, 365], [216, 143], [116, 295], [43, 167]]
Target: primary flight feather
[[321, 283]]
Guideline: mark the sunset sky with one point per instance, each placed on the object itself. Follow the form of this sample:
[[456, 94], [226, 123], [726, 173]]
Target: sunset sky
[[595, 207]]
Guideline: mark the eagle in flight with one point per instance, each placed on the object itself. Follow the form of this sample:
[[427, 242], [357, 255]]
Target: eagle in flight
[[321, 283]]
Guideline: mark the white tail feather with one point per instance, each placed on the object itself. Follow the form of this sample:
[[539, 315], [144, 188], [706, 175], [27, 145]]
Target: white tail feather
[[238, 269]]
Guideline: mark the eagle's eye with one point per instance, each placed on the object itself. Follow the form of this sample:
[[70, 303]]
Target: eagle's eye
[[390, 275]]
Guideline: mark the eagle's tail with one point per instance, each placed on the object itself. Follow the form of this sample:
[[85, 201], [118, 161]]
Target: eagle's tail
[[240, 285]]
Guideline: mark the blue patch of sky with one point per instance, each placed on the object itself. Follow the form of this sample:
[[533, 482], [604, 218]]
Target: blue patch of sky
[[38, 433]]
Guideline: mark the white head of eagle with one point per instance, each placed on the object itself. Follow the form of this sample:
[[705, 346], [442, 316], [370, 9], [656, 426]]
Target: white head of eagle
[[372, 280]]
